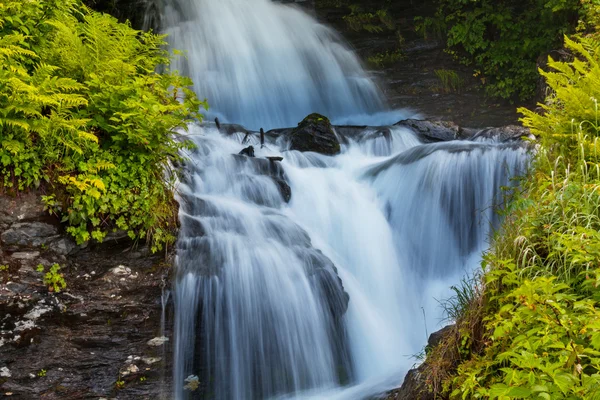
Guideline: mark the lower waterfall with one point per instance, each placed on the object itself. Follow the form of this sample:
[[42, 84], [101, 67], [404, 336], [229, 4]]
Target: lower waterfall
[[336, 288]]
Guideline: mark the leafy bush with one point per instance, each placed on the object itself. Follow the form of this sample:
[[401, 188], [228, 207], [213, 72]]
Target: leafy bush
[[541, 336], [85, 116], [502, 40]]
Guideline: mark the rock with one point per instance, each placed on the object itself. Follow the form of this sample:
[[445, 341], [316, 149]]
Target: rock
[[436, 337], [26, 255], [509, 133], [248, 151], [269, 168], [63, 246], [284, 189], [413, 388], [415, 385], [5, 372], [316, 134], [121, 270], [29, 234], [273, 158], [151, 360], [24, 208], [157, 341], [192, 383], [433, 131]]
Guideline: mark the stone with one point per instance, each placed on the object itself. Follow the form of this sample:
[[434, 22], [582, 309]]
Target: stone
[[509, 133], [29, 234], [151, 360], [436, 337], [26, 255], [158, 341], [274, 158], [315, 133], [248, 151], [23, 208], [121, 270], [432, 131], [5, 372], [63, 246]]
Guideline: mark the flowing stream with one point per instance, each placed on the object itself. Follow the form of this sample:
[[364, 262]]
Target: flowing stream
[[328, 293]]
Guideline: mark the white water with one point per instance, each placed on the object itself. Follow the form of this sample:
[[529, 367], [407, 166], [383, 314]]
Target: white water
[[390, 224], [265, 64]]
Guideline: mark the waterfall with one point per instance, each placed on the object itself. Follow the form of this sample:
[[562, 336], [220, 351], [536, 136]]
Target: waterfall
[[326, 293], [265, 64]]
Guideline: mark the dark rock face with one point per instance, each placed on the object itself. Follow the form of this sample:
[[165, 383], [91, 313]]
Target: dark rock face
[[442, 131], [91, 339], [270, 168], [315, 133], [415, 385], [433, 131]]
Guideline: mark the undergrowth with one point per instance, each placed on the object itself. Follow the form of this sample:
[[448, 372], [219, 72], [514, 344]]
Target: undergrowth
[[529, 327], [86, 118]]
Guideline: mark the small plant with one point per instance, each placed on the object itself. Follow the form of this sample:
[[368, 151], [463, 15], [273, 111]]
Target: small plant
[[372, 22], [143, 379], [53, 279], [450, 80], [3, 268], [120, 384], [386, 59], [42, 373]]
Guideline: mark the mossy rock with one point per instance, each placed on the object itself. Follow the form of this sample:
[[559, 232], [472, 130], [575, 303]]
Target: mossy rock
[[315, 133]]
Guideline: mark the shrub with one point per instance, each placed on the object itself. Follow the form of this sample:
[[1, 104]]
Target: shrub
[[502, 40], [85, 116], [542, 280]]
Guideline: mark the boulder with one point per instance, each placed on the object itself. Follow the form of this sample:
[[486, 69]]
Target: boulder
[[316, 134], [29, 234], [433, 131]]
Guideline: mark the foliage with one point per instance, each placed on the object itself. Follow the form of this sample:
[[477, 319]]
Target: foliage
[[53, 279], [541, 287], [372, 22], [386, 59], [502, 40], [450, 80], [85, 116]]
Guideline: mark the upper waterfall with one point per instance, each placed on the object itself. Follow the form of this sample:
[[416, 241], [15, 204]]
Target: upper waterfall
[[264, 64]]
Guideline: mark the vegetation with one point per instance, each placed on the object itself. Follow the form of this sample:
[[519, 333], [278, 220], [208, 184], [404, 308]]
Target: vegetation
[[502, 40], [449, 79], [529, 326], [86, 118], [53, 279]]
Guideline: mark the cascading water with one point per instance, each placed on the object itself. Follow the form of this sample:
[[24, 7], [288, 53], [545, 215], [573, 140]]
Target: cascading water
[[265, 64], [310, 277]]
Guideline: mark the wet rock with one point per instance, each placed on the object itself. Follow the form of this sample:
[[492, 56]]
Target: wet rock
[[509, 133], [29, 234], [436, 337], [24, 208], [269, 168], [433, 131], [248, 151], [83, 331], [415, 385], [315, 133]]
